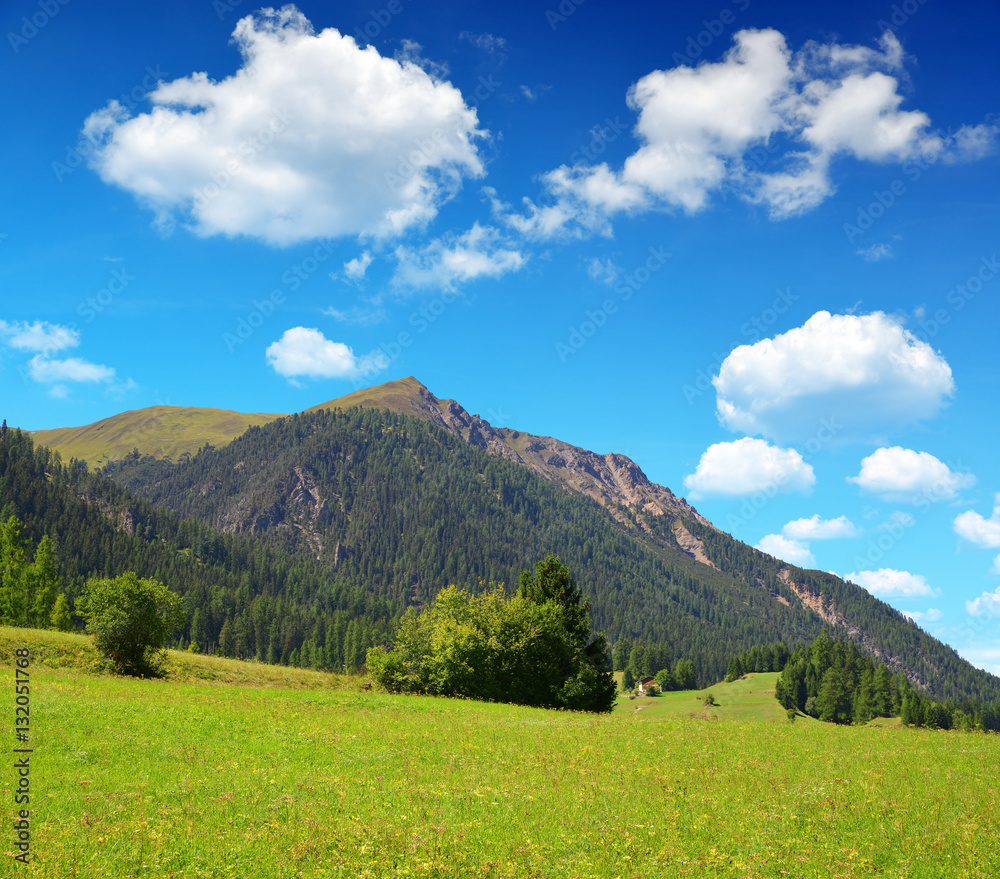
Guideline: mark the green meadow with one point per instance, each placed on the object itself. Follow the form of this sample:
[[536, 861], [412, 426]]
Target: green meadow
[[227, 769]]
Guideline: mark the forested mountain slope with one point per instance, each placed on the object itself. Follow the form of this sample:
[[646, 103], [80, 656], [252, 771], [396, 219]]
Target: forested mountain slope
[[242, 597], [399, 507]]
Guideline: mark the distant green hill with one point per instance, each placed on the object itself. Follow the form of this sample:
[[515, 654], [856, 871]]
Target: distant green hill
[[749, 698], [160, 431]]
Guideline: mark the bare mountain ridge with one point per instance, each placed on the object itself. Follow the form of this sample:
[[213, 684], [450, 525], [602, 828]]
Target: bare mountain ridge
[[611, 479]]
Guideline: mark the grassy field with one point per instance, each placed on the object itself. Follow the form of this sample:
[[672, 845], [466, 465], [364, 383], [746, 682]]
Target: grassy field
[[208, 775]]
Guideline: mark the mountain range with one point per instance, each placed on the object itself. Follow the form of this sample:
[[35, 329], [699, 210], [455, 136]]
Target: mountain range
[[380, 498]]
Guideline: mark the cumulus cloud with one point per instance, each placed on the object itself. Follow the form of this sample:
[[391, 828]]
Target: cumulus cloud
[[747, 466], [794, 552], [979, 530], [700, 128], [306, 352], [815, 528], [852, 376], [311, 137], [987, 605], [887, 583], [40, 336], [898, 474], [932, 615], [481, 252]]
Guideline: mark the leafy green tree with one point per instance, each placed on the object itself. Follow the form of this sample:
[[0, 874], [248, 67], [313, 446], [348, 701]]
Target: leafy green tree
[[665, 680], [130, 619], [533, 648]]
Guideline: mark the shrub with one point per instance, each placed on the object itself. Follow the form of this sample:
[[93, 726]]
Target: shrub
[[130, 619]]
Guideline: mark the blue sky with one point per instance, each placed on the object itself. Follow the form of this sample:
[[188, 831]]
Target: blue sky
[[752, 245]]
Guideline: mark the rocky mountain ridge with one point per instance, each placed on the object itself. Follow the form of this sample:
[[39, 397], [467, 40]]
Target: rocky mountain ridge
[[611, 479]]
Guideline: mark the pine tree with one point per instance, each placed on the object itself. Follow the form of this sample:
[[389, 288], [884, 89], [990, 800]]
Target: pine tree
[[43, 584], [60, 618]]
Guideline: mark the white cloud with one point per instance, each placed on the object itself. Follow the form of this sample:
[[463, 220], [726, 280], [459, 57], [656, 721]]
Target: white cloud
[[932, 615], [887, 583], [371, 312], [875, 252], [747, 466], [487, 42], [815, 528], [848, 375], [986, 658], [40, 336], [481, 252], [698, 128], [980, 530], [605, 271], [311, 137], [987, 605], [794, 552], [899, 474], [72, 369], [306, 352], [355, 268]]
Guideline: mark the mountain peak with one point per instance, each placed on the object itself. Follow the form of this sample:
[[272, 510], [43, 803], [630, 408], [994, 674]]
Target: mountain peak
[[408, 396], [611, 479]]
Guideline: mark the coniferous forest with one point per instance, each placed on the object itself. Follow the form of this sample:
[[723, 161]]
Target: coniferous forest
[[304, 542]]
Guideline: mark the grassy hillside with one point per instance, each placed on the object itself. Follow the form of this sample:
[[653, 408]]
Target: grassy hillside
[[160, 431], [72, 652], [749, 699], [162, 779]]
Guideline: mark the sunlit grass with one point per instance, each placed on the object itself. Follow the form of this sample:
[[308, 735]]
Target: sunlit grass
[[166, 779]]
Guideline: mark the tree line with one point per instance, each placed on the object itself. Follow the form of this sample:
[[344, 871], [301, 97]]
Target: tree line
[[639, 659], [833, 681]]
